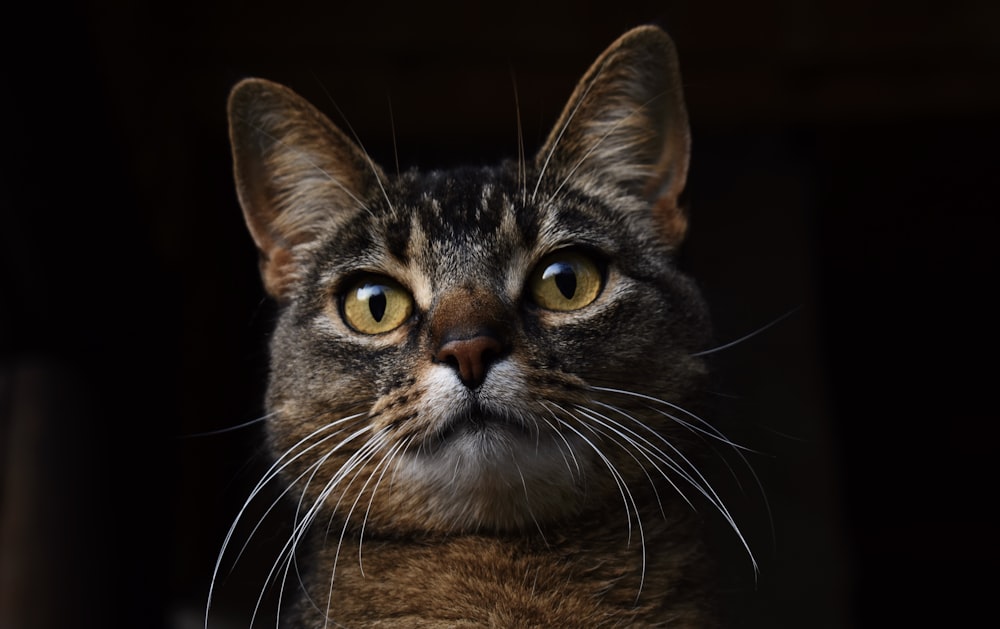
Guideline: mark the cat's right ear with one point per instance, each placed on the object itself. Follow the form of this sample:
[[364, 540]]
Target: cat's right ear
[[297, 175]]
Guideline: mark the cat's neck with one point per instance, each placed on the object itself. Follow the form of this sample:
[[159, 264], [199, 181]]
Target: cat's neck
[[578, 574]]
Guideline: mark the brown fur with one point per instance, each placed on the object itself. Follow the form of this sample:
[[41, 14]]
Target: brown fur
[[576, 577], [480, 465]]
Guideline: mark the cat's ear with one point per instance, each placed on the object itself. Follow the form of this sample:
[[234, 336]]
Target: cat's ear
[[626, 126], [297, 175]]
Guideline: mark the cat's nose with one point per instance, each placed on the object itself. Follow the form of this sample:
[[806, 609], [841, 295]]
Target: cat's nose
[[470, 331], [471, 357]]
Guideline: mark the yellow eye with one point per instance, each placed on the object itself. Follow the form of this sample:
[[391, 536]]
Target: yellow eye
[[565, 280], [375, 304]]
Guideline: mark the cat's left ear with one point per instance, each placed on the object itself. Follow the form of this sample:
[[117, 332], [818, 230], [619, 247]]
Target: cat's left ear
[[626, 127]]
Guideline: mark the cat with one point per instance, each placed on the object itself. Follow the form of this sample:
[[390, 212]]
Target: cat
[[486, 384]]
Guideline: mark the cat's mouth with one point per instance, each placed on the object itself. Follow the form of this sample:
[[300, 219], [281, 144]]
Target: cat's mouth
[[482, 427]]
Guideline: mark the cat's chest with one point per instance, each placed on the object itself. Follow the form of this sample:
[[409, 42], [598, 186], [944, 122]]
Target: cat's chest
[[479, 582]]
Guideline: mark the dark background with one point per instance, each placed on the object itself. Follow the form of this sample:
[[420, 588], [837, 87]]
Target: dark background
[[844, 170]]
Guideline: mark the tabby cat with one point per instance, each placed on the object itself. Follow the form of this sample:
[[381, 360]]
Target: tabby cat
[[485, 383]]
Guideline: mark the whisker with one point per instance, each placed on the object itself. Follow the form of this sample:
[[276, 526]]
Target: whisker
[[704, 487], [626, 494], [220, 431], [527, 504], [303, 521], [569, 448], [712, 433], [702, 484], [522, 164], [311, 471], [286, 556], [392, 128], [750, 335], [618, 429], [709, 430], [615, 475], [738, 449], [364, 151], [364, 456], [273, 471], [364, 522], [562, 131]]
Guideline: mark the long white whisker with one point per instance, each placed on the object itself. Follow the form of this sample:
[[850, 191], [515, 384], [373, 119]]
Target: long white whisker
[[304, 522], [712, 432], [300, 526], [389, 456], [694, 429], [220, 431], [527, 503], [280, 464], [615, 474], [314, 467], [626, 494], [658, 436], [365, 455], [645, 450], [709, 430], [750, 335], [702, 485], [738, 449], [569, 448], [286, 556]]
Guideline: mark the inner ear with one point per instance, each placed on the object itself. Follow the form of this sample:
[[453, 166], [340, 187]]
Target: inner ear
[[626, 127]]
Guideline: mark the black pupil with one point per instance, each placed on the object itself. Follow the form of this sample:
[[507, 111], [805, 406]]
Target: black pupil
[[565, 279], [376, 302]]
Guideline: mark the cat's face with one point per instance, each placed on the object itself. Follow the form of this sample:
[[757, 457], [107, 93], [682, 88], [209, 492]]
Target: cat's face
[[479, 349]]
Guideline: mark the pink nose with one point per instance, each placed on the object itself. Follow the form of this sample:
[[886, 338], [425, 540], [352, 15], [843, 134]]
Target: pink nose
[[471, 357]]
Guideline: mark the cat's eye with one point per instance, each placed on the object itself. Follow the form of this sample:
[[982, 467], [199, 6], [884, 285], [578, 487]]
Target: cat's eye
[[375, 304], [566, 280]]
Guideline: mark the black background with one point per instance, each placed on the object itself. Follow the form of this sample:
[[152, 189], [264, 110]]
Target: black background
[[844, 170]]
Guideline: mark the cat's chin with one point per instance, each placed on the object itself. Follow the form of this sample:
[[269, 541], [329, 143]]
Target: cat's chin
[[486, 471]]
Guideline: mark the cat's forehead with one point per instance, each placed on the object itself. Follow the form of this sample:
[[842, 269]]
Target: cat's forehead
[[464, 227], [488, 214], [472, 226], [467, 207]]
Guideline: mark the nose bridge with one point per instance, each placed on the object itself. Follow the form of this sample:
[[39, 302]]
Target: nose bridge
[[470, 329], [467, 311]]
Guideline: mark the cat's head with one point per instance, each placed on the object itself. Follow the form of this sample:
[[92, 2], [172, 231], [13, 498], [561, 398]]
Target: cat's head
[[479, 349]]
